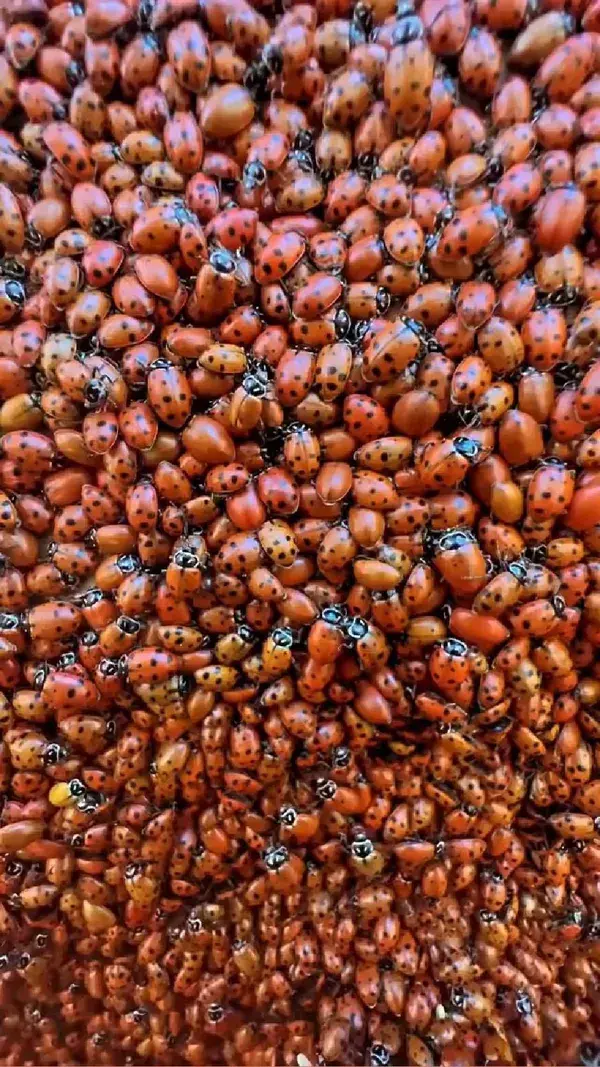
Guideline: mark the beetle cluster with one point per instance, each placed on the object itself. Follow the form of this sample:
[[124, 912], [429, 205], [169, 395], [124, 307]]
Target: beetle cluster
[[300, 532]]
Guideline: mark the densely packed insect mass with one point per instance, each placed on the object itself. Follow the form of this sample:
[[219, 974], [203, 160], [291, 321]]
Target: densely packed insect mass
[[300, 532]]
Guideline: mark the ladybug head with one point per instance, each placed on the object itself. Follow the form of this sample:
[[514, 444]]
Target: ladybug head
[[358, 331], [566, 294], [518, 569], [256, 80], [444, 216], [487, 917], [103, 226], [15, 292], [342, 324], [379, 1055], [362, 848], [383, 302], [457, 998], [362, 18], [90, 801], [74, 73], [409, 28], [341, 757], [467, 448], [186, 560], [68, 659], [145, 11], [366, 163], [539, 97], [357, 628], [288, 816], [559, 605], [333, 616], [589, 1054], [407, 175], [183, 683], [325, 789], [54, 753], [452, 540], [276, 857], [11, 268], [222, 261], [254, 386], [272, 56], [95, 393], [128, 626], [495, 169], [40, 675], [33, 238], [566, 375], [455, 648], [194, 924], [128, 564], [304, 141], [283, 637], [215, 1013], [254, 176], [523, 1002], [112, 668]]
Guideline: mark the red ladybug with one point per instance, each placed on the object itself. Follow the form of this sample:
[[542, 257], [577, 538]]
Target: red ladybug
[[475, 231], [460, 561], [447, 463]]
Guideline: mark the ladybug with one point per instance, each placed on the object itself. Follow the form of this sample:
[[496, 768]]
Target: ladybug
[[558, 217], [370, 643], [459, 559], [279, 256], [317, 296], [69, 148], [447, 463], [67, 690], [544, 336], [518, 189], [169, 393], [408, 79], [474, 231], [202, 198], [266, 156], [550, 491], [302, 452], [566, 68], [480, 63], [284, 869]]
